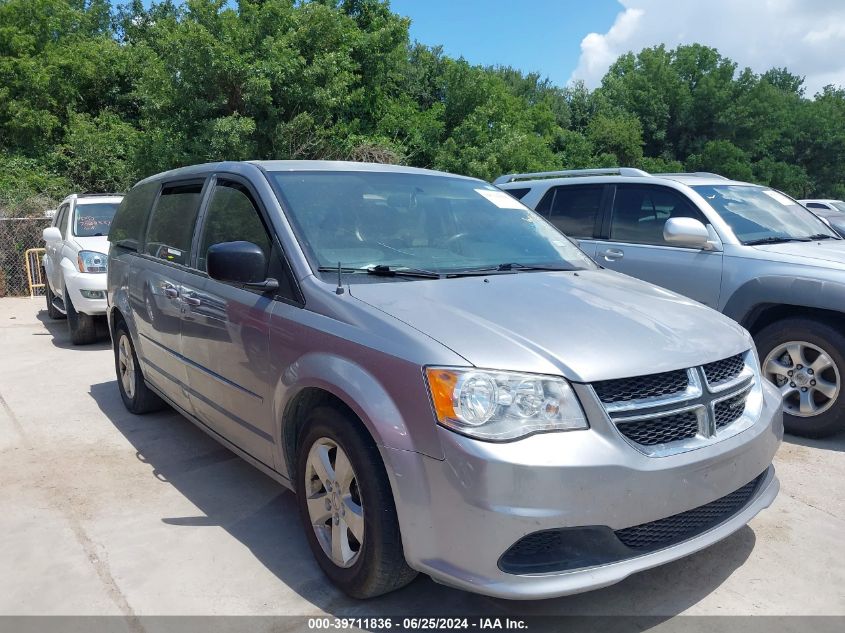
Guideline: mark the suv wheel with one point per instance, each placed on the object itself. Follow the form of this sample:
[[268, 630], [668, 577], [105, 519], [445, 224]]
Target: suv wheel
[[83, 327], [803, 358], [347, 507], [52, 310], [136, 396]]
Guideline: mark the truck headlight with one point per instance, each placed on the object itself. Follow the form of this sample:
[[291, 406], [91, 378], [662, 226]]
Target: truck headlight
[[91, 262], [499, 405]]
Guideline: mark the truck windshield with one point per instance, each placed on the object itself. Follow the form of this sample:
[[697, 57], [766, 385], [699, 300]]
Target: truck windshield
[[759, 214], [418, 222], [92, 219]]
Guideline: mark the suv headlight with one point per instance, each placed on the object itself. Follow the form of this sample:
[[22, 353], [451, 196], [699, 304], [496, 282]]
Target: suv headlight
[[91, 262], [499, 405]]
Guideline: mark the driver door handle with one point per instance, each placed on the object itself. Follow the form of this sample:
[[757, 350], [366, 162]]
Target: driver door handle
[[171, 291], [612, 254]]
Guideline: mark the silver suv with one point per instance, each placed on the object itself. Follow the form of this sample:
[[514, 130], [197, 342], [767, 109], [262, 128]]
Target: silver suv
[[448, 383], [749, 251]]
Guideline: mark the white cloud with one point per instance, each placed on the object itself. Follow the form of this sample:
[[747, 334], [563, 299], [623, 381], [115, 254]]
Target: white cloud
[[805, 36]]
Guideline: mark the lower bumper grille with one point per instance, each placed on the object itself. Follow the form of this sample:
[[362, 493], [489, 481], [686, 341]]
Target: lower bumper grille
[[568, 549], [679, 527]]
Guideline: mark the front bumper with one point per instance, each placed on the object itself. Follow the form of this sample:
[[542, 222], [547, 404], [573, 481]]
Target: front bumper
[[76, 282], [459, 516]]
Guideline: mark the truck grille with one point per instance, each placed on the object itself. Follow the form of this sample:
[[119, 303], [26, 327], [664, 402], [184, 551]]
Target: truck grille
[[669, 412], [679, 527], [652, 431], [641, 387]]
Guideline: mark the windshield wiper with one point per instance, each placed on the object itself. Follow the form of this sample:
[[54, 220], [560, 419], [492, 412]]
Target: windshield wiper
[[508, 267], [403, 271], [776, 240], [822, 236], [385, 271]]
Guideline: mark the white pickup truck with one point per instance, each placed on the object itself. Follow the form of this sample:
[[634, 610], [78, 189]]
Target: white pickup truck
[[75, 262]]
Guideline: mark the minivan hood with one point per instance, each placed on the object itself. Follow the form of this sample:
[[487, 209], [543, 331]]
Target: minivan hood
[[99, 243], [585, 325]]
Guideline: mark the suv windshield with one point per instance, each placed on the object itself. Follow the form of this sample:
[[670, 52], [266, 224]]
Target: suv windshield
[[91, 219], [757, 214], [421, 222]]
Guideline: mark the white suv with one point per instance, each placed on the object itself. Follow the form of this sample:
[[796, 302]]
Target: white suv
[[75, 262]]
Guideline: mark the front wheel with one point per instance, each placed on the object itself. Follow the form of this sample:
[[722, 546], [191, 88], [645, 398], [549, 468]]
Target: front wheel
[[83, 327], [804, 359], [347, 507]]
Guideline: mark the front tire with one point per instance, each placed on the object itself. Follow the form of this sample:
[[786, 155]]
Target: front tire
[[347, 507], [136, 396], [804, 359], [82, 327]]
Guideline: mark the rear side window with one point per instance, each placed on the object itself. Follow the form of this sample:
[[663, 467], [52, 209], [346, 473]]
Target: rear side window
[[640, 212], [573, 209], [817, 205], [519, 194], [232, 216], [127, 227], [172, 223]]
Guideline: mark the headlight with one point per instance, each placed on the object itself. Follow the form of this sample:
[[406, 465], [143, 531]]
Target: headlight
[[498, 405], [91, 262]]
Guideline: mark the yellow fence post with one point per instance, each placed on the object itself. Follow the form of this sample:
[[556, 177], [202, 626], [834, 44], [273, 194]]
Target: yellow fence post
[[33, 269]]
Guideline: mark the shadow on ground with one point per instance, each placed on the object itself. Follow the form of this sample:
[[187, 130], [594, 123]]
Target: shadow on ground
[[261, 514], [832, 443], [58, 330]]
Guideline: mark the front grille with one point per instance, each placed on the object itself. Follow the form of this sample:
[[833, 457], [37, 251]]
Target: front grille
[[641, 387], [730, 410], [723, 370], [668, 428], [680, 527]]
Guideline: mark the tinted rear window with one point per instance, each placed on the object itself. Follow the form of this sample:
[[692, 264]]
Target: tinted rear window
[[127, 227], [172, 223]]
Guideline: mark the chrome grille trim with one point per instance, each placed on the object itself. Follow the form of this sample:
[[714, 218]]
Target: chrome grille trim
[[692, 391], [699, 396]]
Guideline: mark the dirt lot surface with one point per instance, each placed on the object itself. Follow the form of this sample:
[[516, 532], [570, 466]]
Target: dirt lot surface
[[104, 512]]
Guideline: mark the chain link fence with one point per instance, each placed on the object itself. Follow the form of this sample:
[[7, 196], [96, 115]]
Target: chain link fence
[[16, 236]]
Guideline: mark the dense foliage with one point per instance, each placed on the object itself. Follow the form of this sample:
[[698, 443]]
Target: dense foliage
[[94, 97]]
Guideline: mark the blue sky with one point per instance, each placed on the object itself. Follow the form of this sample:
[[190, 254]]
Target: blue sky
[[540, 35]]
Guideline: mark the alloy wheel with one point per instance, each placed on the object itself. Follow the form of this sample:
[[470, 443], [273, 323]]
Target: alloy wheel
[[335, 509], [126, 366], [806, 375]]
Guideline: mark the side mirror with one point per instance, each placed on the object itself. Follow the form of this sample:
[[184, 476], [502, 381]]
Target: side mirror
[[51, 234], [686, 232], [239, 263]]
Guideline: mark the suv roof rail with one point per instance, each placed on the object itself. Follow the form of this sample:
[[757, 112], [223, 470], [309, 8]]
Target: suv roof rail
[[91, 194], [572, 173], [706, 174]]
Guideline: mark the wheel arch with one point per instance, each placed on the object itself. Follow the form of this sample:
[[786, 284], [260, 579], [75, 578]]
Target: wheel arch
[[326, 379], [766, 300]]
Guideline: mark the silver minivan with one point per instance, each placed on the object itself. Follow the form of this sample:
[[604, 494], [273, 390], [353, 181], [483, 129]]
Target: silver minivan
[[446, 381]]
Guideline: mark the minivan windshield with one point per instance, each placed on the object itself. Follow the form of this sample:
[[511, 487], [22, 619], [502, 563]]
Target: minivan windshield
[[759, 215], [92, 219], [419, 223]]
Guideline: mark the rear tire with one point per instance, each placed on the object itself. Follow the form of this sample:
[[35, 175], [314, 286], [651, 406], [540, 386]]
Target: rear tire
[[82, 327], [375, 561], [804, 358], [136, 396], [52, 311]]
